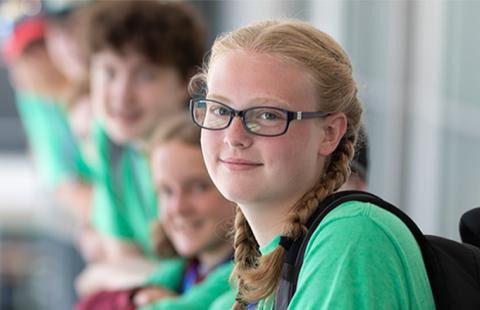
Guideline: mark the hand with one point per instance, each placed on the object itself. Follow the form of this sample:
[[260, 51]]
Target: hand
[[151, 294], [102, 276]]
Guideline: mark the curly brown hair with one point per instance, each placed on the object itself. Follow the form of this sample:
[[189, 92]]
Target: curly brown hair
[[165, 33]]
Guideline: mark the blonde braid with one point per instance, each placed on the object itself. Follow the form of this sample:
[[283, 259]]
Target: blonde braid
[[246, 253]]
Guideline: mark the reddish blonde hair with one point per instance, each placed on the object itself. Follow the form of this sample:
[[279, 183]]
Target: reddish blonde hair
[[331, 71]]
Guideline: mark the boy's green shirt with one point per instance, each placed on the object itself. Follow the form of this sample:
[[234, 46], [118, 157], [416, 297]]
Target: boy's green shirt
[[125, 203]]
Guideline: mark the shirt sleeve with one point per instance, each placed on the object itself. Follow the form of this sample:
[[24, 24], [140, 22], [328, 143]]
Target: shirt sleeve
[[168, 275], [55, 148], [200, 296]]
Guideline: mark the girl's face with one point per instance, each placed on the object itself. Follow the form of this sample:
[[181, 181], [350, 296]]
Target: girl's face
[[194, 213], [250, 169]]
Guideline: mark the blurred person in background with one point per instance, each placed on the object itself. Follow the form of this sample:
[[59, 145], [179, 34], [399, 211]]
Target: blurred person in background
[[141, 56], [195, 220], [62, 40], [40, 89], [64, 19]]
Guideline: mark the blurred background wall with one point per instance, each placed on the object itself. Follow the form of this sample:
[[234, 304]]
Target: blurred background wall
[[418, 69]]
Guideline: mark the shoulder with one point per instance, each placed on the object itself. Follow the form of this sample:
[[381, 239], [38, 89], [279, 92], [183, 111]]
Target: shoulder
[[360, 257], [356, 230], [359, 222]]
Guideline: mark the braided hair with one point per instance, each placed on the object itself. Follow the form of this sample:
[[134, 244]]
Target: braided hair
[[329, 67]]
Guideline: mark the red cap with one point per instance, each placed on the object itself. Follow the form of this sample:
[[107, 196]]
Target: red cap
[[24, 33]]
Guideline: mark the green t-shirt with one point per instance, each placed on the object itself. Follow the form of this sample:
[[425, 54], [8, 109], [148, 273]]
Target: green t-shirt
[[124, 197], [54, 147], [200, 296], [360, 257], [225, 301], [169, 274]]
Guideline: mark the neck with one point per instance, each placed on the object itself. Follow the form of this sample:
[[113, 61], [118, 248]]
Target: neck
[[140, 145], [209, 259], [266, 221]]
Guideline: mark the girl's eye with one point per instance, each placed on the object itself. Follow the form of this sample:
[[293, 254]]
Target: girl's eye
[[220, 111], [145, 75], [109, 72], [200, 187], [265, 114], [268, 116], [165, 191]]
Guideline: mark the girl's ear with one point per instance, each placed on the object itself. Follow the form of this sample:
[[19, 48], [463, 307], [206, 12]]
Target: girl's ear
[[334, 128]]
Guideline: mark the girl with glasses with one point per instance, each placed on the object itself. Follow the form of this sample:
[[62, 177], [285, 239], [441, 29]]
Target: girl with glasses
[[280, 116]]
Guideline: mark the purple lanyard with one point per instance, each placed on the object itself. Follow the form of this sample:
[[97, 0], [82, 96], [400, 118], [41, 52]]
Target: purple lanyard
[[193, 276]]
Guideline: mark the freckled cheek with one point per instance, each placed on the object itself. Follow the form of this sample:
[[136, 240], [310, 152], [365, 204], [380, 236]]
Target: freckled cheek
[[211, 145], [285, 157], [277, 150]]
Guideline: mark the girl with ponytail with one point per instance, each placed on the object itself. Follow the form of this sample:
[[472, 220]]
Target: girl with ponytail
[[280, 116]]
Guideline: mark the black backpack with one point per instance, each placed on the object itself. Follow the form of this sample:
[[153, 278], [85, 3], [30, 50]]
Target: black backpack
[[453, 268]]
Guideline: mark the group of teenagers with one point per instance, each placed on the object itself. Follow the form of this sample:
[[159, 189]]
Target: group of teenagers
[[187, 177]]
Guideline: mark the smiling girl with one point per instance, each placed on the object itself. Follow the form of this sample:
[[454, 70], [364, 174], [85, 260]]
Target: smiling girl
[[280, 116]]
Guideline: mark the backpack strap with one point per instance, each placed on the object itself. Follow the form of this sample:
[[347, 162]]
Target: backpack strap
[[295, 253]]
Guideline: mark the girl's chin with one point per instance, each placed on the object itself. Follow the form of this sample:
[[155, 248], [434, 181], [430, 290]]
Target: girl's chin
[[187, 252]]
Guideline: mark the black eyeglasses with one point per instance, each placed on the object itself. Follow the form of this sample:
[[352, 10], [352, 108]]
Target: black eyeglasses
[[261, 121]]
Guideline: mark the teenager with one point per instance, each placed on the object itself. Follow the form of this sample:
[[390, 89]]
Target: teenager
[[280, 117]]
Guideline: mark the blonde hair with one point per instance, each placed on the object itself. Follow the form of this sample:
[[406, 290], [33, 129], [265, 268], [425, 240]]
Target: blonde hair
[[178, 128], [330, 69]]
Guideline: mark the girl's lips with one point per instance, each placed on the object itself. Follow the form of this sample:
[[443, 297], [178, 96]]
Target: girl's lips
[[239, 164], [187, 225], [126, 117]]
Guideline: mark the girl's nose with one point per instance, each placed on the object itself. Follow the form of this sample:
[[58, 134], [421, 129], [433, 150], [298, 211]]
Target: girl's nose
[[236, 135]]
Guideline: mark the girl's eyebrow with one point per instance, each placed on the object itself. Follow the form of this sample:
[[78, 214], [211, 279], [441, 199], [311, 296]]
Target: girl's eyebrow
[[271, 100], [222, 99], [257, 101]]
